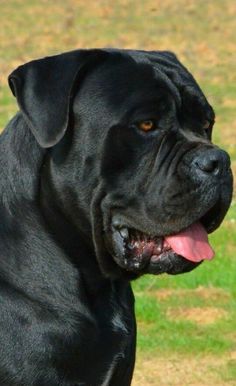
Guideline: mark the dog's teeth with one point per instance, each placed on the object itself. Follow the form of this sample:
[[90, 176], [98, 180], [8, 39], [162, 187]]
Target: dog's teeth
[[160, 245], [130, 247], [124, 233], [136, 264]]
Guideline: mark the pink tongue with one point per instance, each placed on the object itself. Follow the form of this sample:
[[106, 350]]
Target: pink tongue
[[192, 243]]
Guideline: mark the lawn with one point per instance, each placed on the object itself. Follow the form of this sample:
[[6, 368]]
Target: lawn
[[186, 323]]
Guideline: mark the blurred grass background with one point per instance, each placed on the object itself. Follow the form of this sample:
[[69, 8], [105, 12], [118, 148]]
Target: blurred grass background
[[186, 324]]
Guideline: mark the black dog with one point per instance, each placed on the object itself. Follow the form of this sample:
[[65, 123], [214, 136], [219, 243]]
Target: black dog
[[107, 173]]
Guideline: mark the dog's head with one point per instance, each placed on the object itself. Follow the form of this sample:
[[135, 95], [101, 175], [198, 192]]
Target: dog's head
[[130, 138]]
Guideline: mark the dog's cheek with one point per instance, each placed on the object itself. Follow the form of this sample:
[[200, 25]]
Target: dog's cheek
[[120, 154]]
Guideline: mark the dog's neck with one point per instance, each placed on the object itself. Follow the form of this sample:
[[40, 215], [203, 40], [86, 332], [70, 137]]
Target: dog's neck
[[23, 161]]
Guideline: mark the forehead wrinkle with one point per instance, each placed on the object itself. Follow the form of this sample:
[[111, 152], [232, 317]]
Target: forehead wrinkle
[[174, 90], [159, 73]]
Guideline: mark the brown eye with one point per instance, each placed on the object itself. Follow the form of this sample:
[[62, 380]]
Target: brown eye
[[147, 125]]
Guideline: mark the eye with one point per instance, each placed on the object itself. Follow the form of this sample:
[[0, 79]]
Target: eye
[[206, 125], [147, 125]]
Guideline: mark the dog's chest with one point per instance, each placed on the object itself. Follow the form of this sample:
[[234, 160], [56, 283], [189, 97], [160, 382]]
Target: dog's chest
[[118, 327], [118, 344], [106, 338]]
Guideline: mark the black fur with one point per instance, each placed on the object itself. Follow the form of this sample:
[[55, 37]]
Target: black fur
[[74, 165]]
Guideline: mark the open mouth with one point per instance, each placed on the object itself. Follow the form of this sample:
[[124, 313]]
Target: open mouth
[[140, 249], [139, 252]]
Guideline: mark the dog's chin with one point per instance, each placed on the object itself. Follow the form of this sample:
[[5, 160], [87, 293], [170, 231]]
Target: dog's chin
[[138, 253], [171, 263]]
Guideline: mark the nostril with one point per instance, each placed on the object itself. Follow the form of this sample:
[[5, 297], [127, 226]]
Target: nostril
[[208, 165], [212, 161]]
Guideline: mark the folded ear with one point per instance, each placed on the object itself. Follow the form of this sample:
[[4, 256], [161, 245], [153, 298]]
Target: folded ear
[[44, 91]]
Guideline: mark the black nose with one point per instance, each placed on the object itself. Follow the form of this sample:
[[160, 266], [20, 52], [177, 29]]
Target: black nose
[[212, 161]]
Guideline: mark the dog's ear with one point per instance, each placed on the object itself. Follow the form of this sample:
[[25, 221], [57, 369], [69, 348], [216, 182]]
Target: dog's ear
[[44, 91]]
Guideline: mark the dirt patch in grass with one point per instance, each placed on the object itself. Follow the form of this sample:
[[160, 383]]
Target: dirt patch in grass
[[229, 102], [181, 371], [199, 315], [204, 293]]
